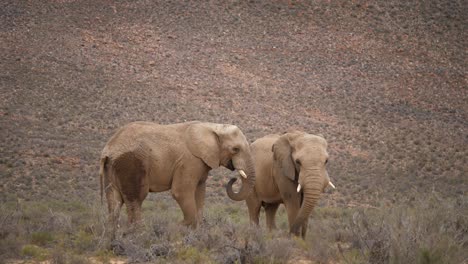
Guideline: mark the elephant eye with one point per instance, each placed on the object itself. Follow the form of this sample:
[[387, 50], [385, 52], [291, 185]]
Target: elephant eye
[[298, 162], [326, 161], [235, 149]]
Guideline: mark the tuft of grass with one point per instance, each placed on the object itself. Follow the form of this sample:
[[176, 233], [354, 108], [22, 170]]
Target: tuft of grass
[[426, 256], [353, 256], [194, 255], [34, 252], [41, 238], [84, 242]]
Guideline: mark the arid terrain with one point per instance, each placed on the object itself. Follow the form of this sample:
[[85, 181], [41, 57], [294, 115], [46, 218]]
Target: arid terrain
[[384, 81]]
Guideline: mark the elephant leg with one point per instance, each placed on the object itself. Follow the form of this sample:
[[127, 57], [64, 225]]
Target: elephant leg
[[134, 215], [188, 205], [200, 200], [133, 211], [188, 189], [184, 193], [270, 211], [133, 203], [292, 210], [132, 181], [114, 204], [254, 205]]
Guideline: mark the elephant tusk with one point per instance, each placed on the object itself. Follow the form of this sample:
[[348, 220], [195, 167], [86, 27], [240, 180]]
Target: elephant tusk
[[242, 173], [298, 187], [331, 184]]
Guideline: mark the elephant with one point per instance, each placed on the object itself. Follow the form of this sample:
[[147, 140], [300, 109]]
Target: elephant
[[143, 157], [291, 169]]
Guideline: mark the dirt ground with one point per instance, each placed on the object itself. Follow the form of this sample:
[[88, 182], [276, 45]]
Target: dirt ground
[[385, 83]]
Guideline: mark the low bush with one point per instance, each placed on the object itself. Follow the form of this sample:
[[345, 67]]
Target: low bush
[[193, 255], [429, 230], [34, 252], [84, 242], [41, 238]]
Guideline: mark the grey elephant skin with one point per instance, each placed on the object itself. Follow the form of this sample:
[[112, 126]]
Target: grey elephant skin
[[144, 157], [291, 169]]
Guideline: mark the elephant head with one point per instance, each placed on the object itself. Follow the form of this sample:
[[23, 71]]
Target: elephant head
[[302, 158], [224, 145]]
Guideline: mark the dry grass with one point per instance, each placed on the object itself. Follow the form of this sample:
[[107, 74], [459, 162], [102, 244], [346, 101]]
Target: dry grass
[[430, 230], [427, 230]]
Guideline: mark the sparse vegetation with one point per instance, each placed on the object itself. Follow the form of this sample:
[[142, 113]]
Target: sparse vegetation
[[383, 81], [427, 230]]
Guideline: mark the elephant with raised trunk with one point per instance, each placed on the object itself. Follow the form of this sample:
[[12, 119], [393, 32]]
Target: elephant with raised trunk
[[144, 157], [291, 169]]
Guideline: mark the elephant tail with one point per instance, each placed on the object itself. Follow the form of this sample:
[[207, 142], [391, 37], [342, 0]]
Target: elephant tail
[[102, 174]]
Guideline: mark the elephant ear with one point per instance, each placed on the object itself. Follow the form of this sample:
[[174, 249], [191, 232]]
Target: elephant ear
[[203, 142], [282, 155]]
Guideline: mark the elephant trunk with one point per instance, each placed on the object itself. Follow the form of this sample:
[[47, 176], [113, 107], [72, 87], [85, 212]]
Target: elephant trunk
[[312, 189], [248, 182]]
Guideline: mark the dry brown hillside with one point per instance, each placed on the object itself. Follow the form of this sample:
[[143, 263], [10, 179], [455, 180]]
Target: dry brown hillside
[[384, 81]]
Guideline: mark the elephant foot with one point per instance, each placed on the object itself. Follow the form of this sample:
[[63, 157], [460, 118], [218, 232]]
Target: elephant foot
[[132, 229], [295, 230], [189, 223]]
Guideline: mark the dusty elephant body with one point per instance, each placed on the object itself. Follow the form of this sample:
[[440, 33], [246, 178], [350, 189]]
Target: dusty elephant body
[[291, 169], [144, 157]]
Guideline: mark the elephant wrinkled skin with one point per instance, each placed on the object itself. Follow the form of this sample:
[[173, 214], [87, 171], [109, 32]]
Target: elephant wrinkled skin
[[144, 157], [291, 169]]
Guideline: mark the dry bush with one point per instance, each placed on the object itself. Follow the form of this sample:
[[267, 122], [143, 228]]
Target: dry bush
[[29, 227], [12, 233], [326, 229], [431, 230], [217, 240], [428, 230], [278, 249]]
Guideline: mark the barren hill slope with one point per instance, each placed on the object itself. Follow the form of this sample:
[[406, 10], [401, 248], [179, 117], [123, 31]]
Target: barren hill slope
[[385, 83]]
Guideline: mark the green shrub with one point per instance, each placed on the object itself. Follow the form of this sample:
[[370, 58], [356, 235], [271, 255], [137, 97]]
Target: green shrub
[[353, 256], [194, 255], [84, 242], [35, 252], [426, 256], [41, 238], [10, 245]]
